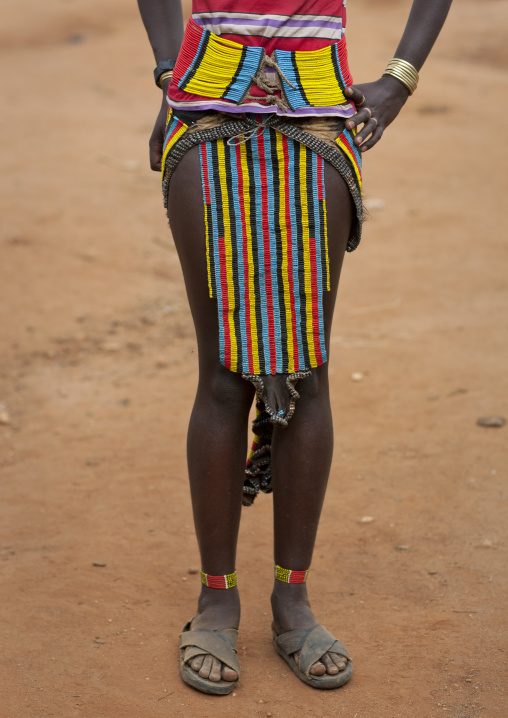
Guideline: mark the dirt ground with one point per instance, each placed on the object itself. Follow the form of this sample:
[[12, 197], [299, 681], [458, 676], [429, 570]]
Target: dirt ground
[[98, 370]]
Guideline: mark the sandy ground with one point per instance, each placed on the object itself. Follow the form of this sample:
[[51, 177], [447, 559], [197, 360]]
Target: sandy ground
[[98, 370]]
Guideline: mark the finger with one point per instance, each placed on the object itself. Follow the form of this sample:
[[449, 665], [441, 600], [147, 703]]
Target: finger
[[205, 668], [373, 139], [339, 661], [359, 119], [330, 666], [356, 95], [366, 130]]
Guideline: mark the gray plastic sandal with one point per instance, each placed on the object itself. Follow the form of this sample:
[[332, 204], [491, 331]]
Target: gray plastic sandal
[[219, 644], [312, 643]]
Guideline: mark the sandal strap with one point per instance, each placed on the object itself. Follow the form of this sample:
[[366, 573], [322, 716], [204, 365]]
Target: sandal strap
[[219, 644], [312, 644]]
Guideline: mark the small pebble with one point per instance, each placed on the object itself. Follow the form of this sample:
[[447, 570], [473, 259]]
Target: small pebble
[[193, 570], [374, 203], [357, 376], [486, 543], [402, 548], [4, 415], [110, 347], [488, 421], [99, 565], [367, 519]]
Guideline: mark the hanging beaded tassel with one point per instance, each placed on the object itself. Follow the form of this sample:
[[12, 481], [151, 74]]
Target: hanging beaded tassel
[[226, 581], [287, 576]]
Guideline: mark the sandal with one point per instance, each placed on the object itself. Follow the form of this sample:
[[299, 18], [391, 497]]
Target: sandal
[[219, 644], [313, 643]]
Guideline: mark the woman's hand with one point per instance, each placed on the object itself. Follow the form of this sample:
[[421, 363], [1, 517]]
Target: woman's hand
[[157, 137], [378, 104]]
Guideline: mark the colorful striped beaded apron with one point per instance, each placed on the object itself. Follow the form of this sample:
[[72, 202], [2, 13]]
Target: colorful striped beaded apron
[[267, 253]]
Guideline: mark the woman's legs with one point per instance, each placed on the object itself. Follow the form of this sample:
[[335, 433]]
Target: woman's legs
[[217, 438], [217, 442], [302, 453]]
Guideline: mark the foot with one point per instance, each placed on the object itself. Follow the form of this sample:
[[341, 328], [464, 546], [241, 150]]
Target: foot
[[291, 611], [217, 609]]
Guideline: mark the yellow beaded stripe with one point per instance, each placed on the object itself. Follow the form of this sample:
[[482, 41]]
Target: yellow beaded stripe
[[226, 581], [175, 128], [315, 70], [286, 575]]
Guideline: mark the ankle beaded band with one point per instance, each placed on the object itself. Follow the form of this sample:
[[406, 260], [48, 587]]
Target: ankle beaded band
[[226, 581], [288, 576]]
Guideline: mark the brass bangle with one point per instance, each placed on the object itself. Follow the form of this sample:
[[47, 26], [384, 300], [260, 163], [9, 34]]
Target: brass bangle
[[403, 71], [164, 76]]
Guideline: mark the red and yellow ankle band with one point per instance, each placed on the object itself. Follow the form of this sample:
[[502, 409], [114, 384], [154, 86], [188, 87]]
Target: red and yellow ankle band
[[288, 576], [226, 581]]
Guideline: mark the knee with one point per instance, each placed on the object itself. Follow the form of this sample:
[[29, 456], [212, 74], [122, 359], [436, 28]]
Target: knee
[[315, 387], [226, 390]]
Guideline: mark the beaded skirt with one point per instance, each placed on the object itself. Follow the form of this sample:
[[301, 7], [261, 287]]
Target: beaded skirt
[[266, 245]]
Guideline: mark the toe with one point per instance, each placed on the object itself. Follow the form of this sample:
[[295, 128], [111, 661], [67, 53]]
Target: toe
[[228, 674], [330, 666], [196, 663], [340, 661], [318, 669], [206, 667], [215, 672]]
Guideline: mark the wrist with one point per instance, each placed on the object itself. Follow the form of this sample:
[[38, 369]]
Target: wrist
[[395, 87], [164, 85]]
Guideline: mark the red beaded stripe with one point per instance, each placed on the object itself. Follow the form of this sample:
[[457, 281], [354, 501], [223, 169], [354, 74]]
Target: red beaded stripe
[[247, 297], [267, 256], [288, 195], [226, 581], [286, 575]]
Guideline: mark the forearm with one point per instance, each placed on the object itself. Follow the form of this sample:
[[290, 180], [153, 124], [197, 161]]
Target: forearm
[[423, 26], [163, 21]]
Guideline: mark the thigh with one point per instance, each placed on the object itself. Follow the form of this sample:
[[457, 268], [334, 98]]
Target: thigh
[[187, 223], [339, 215]]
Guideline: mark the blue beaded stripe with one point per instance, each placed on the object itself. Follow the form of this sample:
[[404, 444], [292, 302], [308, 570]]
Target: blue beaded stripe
[[356, 152], [173, 124], [338, 69], [261, 257], [255, 222], [319, 265], [235, 210], [191, 70], [296, 97], [293, 175], [247, 69], [266, 136], [216, 203]]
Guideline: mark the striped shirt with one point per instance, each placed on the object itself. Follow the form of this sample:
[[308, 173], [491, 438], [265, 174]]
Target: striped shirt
[[300, 25]]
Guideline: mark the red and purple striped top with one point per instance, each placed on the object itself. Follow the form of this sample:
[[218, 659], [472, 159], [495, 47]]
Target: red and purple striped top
[[297, 26]]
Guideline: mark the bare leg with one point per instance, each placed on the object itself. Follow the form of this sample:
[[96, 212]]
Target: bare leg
[[302, 453], [217, 438]]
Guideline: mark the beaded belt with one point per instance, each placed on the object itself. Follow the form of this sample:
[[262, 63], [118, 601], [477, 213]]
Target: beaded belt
[[211, 66]]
